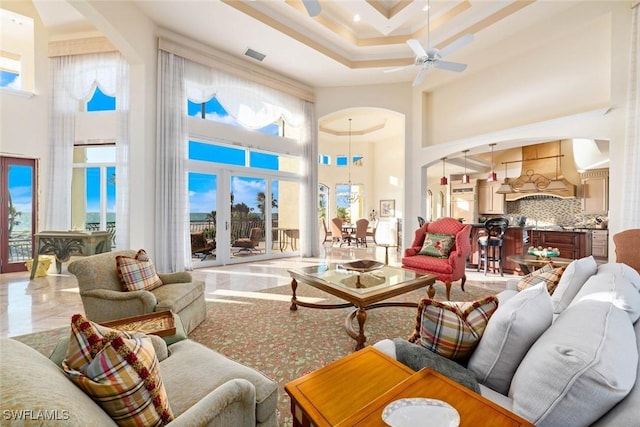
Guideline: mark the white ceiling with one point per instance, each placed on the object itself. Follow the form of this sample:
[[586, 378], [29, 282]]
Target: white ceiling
[[332, 50]]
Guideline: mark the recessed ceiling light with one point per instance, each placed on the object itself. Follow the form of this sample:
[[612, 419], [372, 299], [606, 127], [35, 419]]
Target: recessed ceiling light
[[356, 18]]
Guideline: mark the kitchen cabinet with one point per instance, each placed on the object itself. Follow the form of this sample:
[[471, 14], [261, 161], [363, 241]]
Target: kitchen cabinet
[[600, 244], [464, 202], [572, 244], [489, 202], [595, 191]]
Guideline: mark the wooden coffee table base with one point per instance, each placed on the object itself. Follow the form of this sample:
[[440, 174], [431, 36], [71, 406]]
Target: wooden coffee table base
[[359, 314]]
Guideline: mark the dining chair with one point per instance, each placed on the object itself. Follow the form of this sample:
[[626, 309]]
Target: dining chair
[[360, 235], [337, 235]]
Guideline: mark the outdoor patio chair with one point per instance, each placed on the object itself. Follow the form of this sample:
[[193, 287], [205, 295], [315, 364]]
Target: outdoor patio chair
[[200, 246], [248, 244]]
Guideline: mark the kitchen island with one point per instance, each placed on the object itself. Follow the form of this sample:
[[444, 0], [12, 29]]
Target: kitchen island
[[573, 244]]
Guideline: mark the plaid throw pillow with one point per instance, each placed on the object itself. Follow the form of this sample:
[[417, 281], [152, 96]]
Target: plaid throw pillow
[[137, 273], [549, 274], [437, 245], [452, 329], [119, 371]]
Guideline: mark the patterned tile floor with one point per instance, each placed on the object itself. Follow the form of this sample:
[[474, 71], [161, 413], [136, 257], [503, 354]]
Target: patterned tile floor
[[48, 302]]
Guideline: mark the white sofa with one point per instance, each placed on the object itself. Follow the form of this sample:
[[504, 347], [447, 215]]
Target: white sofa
[[570, 359]]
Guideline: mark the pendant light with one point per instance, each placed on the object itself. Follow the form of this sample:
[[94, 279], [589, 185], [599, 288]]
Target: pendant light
[[443, 180], [351, 197], [492, 177], [505, 187], [558, 184], [465, 177]]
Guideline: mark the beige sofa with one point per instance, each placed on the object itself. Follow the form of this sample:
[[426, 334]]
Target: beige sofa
[[203, 387], [104, 299], [569, 359]]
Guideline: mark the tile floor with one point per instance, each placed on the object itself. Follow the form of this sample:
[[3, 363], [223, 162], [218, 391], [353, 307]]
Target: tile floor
[[49, 302]]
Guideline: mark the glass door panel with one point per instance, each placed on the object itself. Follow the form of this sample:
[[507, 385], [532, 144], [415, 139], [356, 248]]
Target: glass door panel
[[248, 216], [285, 208], [203, 216], [18, 213]]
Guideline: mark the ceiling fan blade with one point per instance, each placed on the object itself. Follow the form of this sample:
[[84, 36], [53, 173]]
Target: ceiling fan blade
[[462, 41], [450, 66], [313, 7], [416, 47], [393, 70], [420, 76]]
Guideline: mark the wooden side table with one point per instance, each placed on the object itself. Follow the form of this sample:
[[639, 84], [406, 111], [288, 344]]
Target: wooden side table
[[474, 410], [354, 390], [330, 394]]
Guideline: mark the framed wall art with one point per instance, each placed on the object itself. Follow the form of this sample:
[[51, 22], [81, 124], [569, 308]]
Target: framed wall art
[[387, 208]]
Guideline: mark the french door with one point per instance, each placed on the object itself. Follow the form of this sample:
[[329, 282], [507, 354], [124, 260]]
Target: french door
[[18, 212], [243, 214]]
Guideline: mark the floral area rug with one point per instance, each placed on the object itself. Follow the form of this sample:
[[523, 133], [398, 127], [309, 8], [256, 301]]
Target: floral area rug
[[261, 331], [258, 330]]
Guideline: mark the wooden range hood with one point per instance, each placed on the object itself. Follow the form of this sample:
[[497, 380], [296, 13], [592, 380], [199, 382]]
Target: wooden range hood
[[541, 161]]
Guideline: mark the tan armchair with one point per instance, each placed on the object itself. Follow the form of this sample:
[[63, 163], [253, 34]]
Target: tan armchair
[[104, 298]]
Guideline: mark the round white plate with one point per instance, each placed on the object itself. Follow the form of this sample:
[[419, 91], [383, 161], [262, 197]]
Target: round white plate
[[414, 411]]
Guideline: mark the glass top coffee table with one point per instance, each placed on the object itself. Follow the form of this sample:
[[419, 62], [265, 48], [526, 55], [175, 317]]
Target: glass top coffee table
[[364, 290]]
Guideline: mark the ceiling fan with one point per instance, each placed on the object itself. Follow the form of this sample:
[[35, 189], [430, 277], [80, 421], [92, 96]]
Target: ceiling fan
[[431, 57], [313, 7]]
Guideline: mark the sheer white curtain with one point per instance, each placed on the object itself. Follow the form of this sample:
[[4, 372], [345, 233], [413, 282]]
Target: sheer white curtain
[[252, 104], [62, 123], [122, 155], [74, 78], [171, 252], [631, 183], [310, 245]]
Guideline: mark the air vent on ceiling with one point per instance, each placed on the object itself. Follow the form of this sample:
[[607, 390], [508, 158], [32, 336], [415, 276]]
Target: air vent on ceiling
[[255, 54]]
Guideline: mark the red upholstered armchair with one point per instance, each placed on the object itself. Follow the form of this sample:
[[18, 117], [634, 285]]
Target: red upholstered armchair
[[447, 269]]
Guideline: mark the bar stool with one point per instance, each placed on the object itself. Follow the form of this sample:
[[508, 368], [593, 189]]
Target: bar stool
[[490, 245]]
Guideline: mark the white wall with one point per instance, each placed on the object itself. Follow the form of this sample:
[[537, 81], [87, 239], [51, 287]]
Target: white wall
[[543, 117], [23, 129], [390, 157]]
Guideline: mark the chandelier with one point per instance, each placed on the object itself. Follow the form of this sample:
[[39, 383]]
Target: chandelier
[[352, 197]]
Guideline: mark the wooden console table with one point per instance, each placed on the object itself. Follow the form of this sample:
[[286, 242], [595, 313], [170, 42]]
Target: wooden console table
[[63, 244]]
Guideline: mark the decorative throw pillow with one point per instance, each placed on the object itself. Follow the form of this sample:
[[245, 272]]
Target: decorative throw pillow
[[549, 274], [452, 329], [437, 244], [513, 328], [119, 371], [574, 276], [137, 273]]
